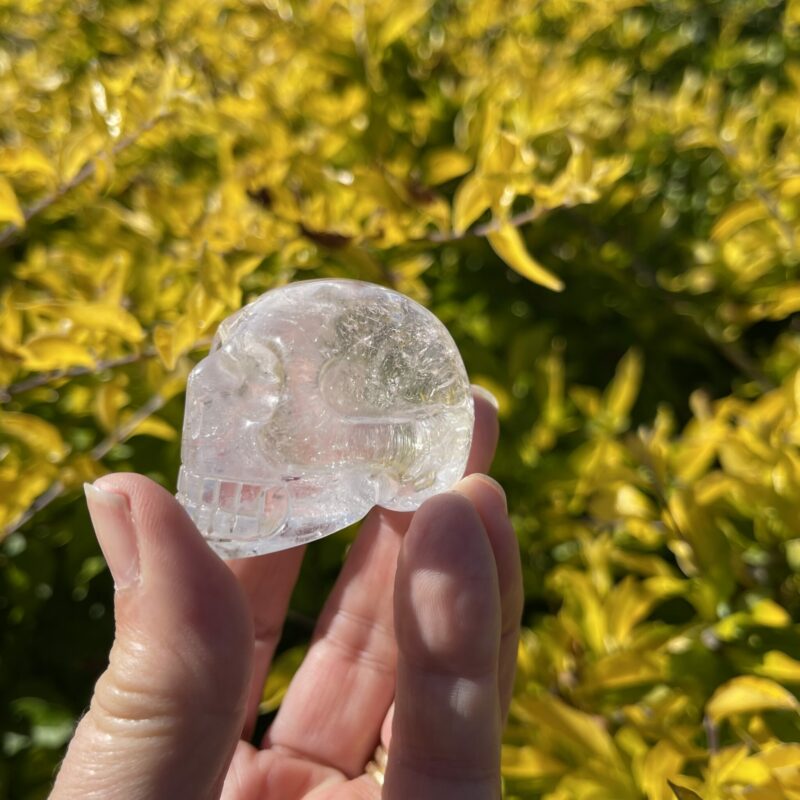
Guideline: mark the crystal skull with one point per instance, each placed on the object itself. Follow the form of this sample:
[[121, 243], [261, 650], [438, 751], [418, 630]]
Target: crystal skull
[[316, 402]]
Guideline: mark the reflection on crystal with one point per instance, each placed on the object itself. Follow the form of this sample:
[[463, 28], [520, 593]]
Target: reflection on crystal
[[318, 401]]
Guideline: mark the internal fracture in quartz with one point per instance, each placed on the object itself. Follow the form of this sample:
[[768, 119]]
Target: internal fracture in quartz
[[316, 402]]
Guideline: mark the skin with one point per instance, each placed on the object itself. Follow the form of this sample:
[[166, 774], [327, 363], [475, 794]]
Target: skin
[[426, 670]]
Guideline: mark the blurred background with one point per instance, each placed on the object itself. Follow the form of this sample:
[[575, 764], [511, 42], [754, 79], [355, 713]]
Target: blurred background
[[599, 198]]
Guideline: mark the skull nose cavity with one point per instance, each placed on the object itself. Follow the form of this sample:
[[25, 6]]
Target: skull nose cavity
[[232, 510]]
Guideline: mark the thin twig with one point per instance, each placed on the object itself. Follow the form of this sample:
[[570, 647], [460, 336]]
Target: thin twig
[[712, 734], [86, 172], [43, 378], [517, 221]]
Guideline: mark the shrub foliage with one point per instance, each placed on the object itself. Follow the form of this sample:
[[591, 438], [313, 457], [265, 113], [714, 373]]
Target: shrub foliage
[[600, 198]]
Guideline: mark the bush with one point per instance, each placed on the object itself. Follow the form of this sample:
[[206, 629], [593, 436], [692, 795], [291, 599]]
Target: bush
[[162, 163]]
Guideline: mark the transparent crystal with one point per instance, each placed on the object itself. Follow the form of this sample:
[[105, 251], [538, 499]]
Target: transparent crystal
[[316, 402]]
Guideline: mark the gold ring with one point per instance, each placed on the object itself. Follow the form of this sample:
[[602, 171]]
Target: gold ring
[[376, 768]]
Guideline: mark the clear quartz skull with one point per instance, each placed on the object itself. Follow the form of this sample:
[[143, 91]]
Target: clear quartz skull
[[317, 401]]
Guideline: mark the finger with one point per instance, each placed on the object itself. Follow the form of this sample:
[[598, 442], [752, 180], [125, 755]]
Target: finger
[[485, 432], [267, 582], [447, 727], [489, 500], [166, 714], [333, 710], [347, 677]]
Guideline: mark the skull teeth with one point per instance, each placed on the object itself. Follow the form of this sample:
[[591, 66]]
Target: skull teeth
[[226, 508]]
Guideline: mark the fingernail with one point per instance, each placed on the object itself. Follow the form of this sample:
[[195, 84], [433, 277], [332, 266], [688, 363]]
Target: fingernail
[[114, 528], [483, 392]]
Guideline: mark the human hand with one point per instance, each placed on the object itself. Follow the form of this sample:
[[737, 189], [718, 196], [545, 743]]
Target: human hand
[[426, 669]]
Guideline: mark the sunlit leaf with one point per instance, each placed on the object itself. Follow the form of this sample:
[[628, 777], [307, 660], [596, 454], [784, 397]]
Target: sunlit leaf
[[748, 695], [157, 427], [55, 352], [9, 205], [624, 389], [529, 763], [737, 217], [444, 165], [663, 762], [472, 198], [682, 793], [281, 672], [779, 667], [509, 245], [100, 317], [36, 434]]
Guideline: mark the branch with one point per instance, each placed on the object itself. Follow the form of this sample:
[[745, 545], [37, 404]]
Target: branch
[[43, 378], [7, 234], [517, 221], [99, 451]]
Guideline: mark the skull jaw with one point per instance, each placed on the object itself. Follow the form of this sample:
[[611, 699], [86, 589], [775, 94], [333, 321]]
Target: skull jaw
[[240, 519]]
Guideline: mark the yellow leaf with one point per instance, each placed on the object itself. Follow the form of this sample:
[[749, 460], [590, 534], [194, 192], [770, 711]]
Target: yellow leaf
[[280, 675], [10, 320], [102, 317], [780, 756], [623, 670], [156, 427], [109, 399], [574, 729], [164, 342], [623, 390], [441, 165], [661, 763], [36, 434], [9, 206], [737, 217], [78, 150], [25, 159], [748, 695], [682, 793], [472, 198], [768, 613], [508, 244], [779, 667], [529, 763], [399, 19], [55, 352], [792, 15]]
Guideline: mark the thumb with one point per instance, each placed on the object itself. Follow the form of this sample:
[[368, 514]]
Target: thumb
[[166, 714]]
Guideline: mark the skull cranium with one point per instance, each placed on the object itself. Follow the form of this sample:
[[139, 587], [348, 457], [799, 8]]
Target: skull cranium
[[316, 402]]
